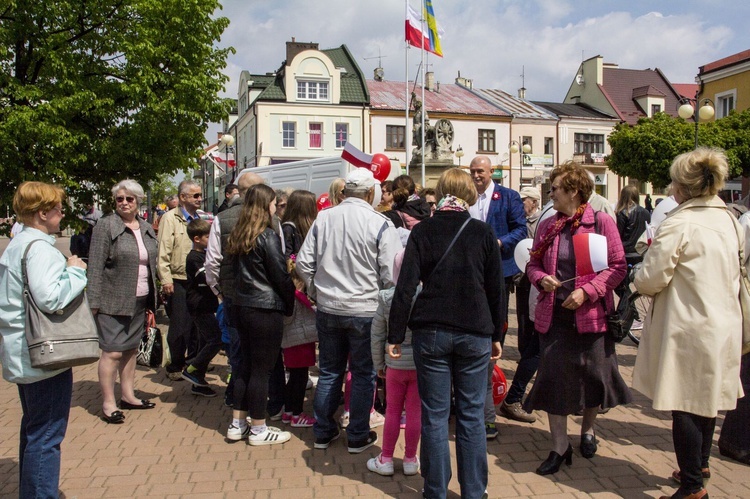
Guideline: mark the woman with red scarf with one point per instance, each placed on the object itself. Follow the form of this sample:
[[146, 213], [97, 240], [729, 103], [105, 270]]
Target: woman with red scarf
[[578, 368]]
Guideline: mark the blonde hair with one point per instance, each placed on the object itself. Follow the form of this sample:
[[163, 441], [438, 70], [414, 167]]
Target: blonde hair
[[335, 190], [32, 197], [699, 173], [458, 183], [629, 196], [254, 218]]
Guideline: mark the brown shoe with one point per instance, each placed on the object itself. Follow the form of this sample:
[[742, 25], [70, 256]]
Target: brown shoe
[[515, 411], [705, 472]]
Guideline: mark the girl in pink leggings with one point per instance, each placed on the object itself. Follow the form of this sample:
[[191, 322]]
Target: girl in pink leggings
[[401, 389]]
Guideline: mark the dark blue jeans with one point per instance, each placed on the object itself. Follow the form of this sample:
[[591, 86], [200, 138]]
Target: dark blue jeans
[[46, 407], [443, 357], [234, 354], [339, 336]]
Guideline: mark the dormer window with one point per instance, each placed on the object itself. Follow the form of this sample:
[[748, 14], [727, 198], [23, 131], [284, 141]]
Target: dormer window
[[312, 90]]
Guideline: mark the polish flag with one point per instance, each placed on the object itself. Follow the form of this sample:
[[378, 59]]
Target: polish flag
[[356, 157], [591, 253]]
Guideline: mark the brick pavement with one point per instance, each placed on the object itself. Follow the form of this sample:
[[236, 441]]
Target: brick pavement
[[178, 450]]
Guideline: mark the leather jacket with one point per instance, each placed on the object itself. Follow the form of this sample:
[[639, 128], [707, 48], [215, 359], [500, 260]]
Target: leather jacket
[[261, 276]]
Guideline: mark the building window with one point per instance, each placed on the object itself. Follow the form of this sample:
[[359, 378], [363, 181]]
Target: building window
[[549, 145], [312, 90], [586, 143], [394, 137], [486, 140], [724, 104], [288, 134], [342, 134], [316, 135], [655, 108]]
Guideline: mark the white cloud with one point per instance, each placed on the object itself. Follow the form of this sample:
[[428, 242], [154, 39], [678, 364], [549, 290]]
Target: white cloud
[[487, 40]]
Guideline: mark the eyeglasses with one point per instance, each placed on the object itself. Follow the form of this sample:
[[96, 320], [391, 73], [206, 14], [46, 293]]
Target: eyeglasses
[[129, 199], [59, 210], [431, 203], [554, 188], [197, 195]]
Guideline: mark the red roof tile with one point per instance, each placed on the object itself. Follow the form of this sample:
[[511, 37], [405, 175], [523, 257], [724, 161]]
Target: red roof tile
[[620, 84], [452, 99], [686, 89], [727, 61]]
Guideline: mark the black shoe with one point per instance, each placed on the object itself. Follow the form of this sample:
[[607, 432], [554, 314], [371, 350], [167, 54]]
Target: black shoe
[[553, 462], [323, 443], [145, 404], [229, 397], [355, 447], [203, 391], [117, 417], [588, 445]]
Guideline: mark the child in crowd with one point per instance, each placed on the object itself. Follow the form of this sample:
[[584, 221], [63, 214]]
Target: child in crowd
[[400, 375], [202, 304]]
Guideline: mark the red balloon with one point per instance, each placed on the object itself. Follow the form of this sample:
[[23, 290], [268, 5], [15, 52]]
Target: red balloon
[[323, 202], [380, 166]]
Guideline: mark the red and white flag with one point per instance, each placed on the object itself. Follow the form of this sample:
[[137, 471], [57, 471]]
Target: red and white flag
[[591, 253], [356, 157], [223, 160]]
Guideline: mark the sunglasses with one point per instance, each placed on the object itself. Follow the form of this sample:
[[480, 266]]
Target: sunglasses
[[129, 199], [197, 195], [431, 203]]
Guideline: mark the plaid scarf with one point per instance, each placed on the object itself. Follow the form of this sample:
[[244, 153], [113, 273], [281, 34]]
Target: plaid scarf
[[555, 228]]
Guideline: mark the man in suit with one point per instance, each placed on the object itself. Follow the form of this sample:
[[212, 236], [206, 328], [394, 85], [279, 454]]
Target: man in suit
[[502, 208]]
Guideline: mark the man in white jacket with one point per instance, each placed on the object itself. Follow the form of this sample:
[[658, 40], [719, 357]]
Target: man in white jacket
[[346, 259]]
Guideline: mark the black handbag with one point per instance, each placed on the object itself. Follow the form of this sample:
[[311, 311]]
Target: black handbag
[[616, 327]]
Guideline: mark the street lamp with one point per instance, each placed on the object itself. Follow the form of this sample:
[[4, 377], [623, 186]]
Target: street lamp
[[687, 110], [459, 154], [523, 150], [228, 142]]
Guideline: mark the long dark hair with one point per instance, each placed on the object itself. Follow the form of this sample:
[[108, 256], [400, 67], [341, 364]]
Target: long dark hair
[[255, 217], [301, 210]]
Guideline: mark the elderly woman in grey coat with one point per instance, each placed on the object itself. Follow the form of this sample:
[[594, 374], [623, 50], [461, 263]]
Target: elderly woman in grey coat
[[122, 284]]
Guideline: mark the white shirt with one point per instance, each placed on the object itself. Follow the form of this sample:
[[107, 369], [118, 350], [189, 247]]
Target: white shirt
[[480, 209]]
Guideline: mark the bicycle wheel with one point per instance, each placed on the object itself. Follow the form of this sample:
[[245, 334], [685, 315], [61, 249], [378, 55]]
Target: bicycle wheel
[[636, 313]]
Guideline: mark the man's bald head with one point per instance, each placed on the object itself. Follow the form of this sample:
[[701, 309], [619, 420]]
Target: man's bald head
[[247, 180], [480, 169]]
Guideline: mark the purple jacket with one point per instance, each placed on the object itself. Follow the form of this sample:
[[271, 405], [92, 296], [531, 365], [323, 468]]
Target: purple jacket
[[591, 317]]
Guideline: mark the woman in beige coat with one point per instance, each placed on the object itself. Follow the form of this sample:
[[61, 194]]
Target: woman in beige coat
[[689, 357]]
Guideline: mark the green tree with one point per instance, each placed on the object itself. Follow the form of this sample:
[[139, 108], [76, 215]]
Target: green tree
[[645, 151], [94, 91]]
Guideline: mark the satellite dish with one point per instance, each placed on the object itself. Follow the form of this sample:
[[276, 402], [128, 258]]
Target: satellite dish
[[579, 79]]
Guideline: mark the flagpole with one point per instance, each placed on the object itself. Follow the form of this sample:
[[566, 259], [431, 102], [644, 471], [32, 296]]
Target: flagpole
[[424, 104], [406, 89]]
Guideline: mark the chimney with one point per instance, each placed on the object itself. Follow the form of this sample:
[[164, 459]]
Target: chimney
[[379, 74], [437, 87], [522, 93], [293, 48], [464, 82], [429, 81]]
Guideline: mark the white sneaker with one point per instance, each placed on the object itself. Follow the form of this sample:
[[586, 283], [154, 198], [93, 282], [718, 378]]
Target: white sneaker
[[270, 436], [379, 467], [376, 419], [411, 468], [235, 433], [277, 416], [637, 325]]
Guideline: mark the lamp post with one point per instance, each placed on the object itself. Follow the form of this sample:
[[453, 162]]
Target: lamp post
[[228, 142], [687, 110], [523, 150], [459, 154]]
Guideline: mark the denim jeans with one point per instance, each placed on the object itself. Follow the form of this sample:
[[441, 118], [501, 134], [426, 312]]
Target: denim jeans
[[443, 357], [46, 407], [339, 336], [234, 354]]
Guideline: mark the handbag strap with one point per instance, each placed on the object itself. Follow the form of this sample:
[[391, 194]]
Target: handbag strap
[[23, 265], [741, 252], [449, 248]]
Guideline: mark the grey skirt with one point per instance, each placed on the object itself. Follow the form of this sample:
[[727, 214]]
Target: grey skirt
[[576, 370], [120, 333]]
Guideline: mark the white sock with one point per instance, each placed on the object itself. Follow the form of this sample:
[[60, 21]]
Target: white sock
[[257, 430], [239, 423]]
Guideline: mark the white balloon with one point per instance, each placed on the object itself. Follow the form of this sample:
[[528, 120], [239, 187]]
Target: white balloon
[[662, 210], [521, 253]]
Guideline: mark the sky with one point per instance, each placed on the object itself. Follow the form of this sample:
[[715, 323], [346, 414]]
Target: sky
[[493, 42]]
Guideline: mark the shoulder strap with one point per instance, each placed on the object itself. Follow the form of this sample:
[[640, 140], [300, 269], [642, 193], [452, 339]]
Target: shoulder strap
[[740, 236], [596, 222], [23, 264], [449, 248]]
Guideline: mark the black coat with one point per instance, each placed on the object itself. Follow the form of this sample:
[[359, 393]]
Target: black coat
[[261, 277]]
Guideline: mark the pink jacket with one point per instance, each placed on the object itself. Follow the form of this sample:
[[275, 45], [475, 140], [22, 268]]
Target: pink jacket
[[591, 317]]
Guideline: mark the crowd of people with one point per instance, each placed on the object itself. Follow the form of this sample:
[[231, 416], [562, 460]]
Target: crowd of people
[[368, 292]]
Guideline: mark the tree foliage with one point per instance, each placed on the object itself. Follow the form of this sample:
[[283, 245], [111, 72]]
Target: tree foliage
[[645, 151], [94, 91]]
